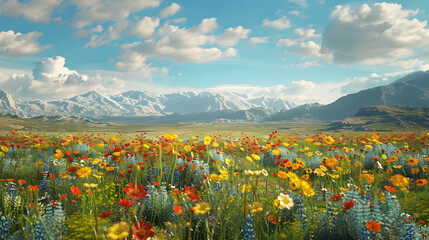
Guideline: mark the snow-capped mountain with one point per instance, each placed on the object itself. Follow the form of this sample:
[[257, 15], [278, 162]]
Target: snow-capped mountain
[[94, 104]]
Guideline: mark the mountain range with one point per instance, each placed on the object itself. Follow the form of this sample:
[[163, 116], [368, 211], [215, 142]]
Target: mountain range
[[148, 107], [96, 105]]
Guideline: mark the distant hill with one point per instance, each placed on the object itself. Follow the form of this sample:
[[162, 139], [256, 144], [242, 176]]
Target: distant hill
[[386, 118], [411, 90], [53, 123]]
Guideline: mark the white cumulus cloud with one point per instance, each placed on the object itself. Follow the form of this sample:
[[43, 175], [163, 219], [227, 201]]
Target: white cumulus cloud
[[145, 28], [300, 34], [100, 11], [281, 23], [170, 10], [182, 45], [256, 40], [375, 34], [16, 45], [50, 79], [33, 10]]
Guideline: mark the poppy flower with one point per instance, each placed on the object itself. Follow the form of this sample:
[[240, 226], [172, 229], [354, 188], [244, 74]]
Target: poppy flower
[[191, 193], [178, 209], [347, 205], [75, 190], [390, 189], [143, 230], [272, 219], [136, 192], [373, 226], [21, 182], [104, 214], [125, 202], [336, 197]]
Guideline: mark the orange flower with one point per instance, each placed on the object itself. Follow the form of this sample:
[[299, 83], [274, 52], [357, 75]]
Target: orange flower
[[415, 170], [181, 168], [21, 182], [373, 226], [412, 161], [178, 209], [75, 190], [390, 189], [76, 152], [191, 193], [176, 191], [282, 174], [393, 158], [421, 182]]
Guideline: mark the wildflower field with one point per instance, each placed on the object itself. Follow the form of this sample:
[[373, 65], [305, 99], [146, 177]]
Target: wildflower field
[[213, 186]]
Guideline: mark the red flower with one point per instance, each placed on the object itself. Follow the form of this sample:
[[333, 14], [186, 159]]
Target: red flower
[[373, 226], [21, 182], [178, 209], [349, 204], [73, 169], [272, 219], [143, 230], [136, 192], [191, 193], [375, 158], [104, 214], [181, 168], [125, 202], [336, 197], [75, 190], [121, 174]]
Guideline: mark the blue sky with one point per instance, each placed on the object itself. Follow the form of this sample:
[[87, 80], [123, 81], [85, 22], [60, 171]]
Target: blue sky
[[300, 50]]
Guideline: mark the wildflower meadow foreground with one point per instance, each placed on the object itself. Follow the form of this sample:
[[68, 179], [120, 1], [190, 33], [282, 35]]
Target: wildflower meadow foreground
[[128, 186]]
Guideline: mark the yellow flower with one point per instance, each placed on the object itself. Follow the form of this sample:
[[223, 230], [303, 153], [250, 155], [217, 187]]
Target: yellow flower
[[256, 207], [187, 148], [283, 201], [256, 157], [102, 165], [90, 185], [207, 140], [323, 168], [214, 177], [310, 154], [275, 152], [331, 162], [328, 140], [369, 178], [249, 159], [282, 174], [215, 145], [58, 154], [118, 231], [84, 172], [247, 188], [110, 168], [368, 146], [400, 181], [4, 148], [319, 172], [170, 136], [358, 164], [295, 166], [397, 166], [306, 189], [201, 208]]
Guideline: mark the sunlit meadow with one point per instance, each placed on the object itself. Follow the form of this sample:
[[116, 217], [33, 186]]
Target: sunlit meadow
[[320, 186]]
